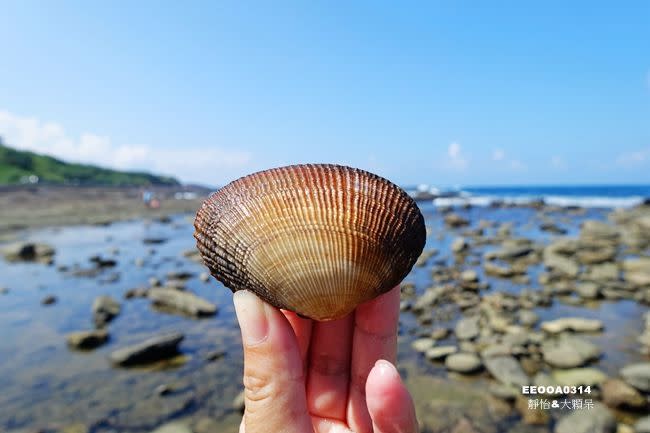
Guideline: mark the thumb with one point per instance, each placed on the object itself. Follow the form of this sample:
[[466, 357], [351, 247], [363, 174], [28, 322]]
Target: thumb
[[274, 384], [389, 402]]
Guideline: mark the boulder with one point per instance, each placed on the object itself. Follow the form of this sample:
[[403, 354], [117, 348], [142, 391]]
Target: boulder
[[184, 302], [579, 376], [506, 369], [569, 351], [619, 395], [104, 310], [575, 324], [637, 375], [467, 328], [595, 420], [153, 349], [87, 339], [463, 362]]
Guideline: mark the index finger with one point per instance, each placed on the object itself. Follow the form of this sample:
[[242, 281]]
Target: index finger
[[374, 338]]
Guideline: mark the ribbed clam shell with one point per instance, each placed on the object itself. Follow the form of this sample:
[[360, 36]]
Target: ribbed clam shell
[[315, 239]]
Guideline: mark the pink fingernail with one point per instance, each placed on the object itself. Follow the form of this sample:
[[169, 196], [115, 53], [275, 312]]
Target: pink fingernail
[[386, 368]]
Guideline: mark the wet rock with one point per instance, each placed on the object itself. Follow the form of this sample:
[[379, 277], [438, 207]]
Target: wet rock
[[425, 256], [637, 278], [429, 298], [104, 310], [137, 292], [561, 264], [506, 369], [29, 252], [179, 275], [151, 350], [504, 392], [469, 276], [154, 241], [498, 349], [637, 375], [642, 425], [602, 272], [204, 277], [101, 262], [49, 300], [154, 282], [455, 220], [579, 376], [423, 344], [463, 362], [87, 339], [239, 402], [588, 290], [599, 254], [467, 328], [619, 395], [502, 271], [206, 425], [529, 416], [184, 302], [592, 229], [596, 420], [528, 318], [459, 245], [215, 355], [173, 427], [568, 351], [553, 228], [575, 324], [510, 252], [440, 352], [440, 333]]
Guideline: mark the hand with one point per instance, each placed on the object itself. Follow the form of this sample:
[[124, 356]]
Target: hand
[[327, 377]]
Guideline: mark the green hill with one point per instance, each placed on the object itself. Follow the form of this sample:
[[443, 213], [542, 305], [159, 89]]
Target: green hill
[[16, 167]]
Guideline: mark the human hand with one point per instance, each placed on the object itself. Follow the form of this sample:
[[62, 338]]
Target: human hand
[[325, 377]]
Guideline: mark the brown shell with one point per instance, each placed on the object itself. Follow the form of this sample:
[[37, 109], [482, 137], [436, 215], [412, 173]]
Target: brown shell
[[316, 239]]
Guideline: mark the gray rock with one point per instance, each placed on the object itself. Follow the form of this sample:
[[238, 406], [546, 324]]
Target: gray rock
[[423, 344], [588, 290], [619, 395], [151, 350], [469, 276], [87, 339], [637, 375], [602, 272], [29, 252], [429, 298], [579, 376], [463, 362], [598, 230], [568, 351], [528, 318], [455, 220], [642, 425], [502, 271], [459, 245], [506, 369], [440, 352], [511, 252], [504, 392], [49, 300], [204, 277], [575, 324], [104, 310], [467, 328], [561, 264], [184, 302], [596, 420], [239, 402], [173, 427], [440, 333]]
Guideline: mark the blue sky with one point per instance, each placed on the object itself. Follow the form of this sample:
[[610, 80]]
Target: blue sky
[[440, 92]]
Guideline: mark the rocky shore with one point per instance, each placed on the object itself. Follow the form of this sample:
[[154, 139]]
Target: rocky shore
[[140, 338]]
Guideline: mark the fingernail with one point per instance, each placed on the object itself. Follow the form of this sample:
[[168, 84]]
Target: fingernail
[[251, 315], [386, 369]]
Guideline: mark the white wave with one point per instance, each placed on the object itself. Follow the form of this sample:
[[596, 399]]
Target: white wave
[[556, 200]]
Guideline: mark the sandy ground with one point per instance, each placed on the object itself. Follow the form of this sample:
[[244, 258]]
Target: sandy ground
[[41, 206]]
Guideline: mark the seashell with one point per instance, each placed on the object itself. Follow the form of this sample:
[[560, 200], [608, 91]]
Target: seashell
[[316, 239]]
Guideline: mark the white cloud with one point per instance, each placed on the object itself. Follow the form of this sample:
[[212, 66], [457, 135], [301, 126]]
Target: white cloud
[[634, 158], [498, 155], [558, 163], [456, 158], [517, 165], [192, 163]]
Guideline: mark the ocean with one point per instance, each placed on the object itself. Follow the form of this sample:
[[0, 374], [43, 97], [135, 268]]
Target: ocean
[[592, 196]]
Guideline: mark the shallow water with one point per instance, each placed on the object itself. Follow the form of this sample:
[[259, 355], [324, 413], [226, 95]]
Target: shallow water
[[46, 385]]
